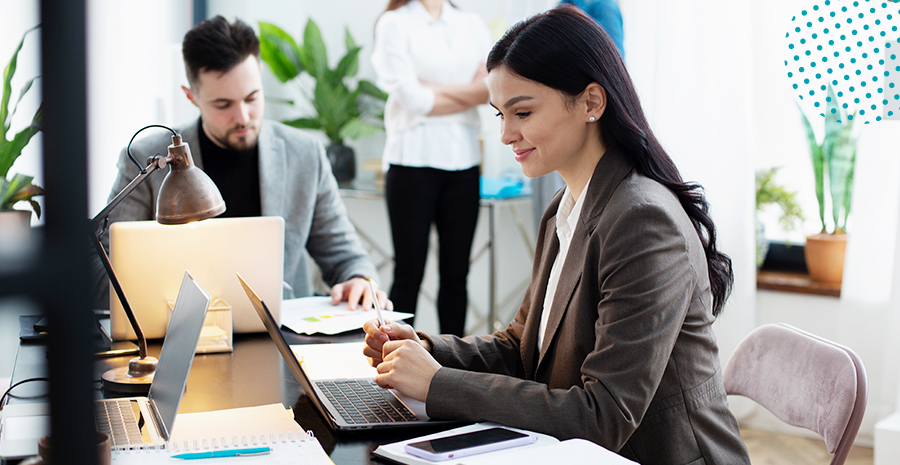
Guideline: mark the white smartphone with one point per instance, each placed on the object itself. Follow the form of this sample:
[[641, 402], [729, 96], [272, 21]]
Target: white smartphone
[[461, 445]]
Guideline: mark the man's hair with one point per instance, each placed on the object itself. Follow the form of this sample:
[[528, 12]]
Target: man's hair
[[216, 45]]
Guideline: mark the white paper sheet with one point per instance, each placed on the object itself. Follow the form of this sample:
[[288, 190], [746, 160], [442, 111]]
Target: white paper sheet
[[311, 315], [334, 361]]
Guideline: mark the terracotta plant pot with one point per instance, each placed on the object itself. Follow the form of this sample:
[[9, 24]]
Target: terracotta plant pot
[[825, 257]]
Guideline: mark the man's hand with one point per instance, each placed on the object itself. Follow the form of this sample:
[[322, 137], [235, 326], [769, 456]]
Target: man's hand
[[408, 368], [356, 291]]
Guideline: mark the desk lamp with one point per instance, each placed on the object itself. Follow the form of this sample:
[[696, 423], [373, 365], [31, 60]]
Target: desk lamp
[[187, 194]]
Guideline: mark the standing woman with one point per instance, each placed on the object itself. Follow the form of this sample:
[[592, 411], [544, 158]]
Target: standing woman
[[613, 341], [429, 57]]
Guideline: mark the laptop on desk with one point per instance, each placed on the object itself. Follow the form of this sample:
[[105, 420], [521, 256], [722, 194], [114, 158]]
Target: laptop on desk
[[346, 403], [140, 422], [150, 258]]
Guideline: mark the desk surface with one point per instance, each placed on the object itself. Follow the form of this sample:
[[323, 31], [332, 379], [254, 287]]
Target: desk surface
[[254, 374]]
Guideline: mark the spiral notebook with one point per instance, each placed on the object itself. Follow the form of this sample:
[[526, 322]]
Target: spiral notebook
[[270, 426]]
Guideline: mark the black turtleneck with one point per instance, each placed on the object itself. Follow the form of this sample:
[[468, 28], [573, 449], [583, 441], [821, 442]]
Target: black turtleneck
[[236, 174]]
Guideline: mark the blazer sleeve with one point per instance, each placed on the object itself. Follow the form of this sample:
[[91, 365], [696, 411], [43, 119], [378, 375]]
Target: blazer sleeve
[[333, 242], [645, 283]]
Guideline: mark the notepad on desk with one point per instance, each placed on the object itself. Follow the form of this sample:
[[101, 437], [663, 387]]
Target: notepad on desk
[[545, 450], [317, 315], [266, 426]]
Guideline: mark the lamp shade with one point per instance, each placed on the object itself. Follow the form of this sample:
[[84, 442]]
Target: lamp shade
[[187, 193]]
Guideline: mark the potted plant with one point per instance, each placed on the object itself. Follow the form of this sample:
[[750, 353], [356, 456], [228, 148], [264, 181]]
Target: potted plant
[[18, 187], [768, 193], [833, 161], [341, 113]]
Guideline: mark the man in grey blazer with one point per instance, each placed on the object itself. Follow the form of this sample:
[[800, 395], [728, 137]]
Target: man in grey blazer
[[260, 166]]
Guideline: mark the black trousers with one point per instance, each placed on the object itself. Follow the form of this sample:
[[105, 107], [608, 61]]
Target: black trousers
[[416, 198]]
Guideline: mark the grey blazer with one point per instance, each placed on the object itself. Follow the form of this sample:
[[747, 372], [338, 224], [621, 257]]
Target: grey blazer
[[296, 183], [629, 359]]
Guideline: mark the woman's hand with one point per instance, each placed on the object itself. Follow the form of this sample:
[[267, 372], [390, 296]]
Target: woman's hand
[[376, 337], [408, 368]]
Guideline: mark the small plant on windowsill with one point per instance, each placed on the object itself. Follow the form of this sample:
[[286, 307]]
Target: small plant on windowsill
[[833, 164], [768, 192], [19, 187]]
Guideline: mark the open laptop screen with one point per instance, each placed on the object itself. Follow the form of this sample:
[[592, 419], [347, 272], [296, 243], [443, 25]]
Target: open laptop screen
[[177, 352]]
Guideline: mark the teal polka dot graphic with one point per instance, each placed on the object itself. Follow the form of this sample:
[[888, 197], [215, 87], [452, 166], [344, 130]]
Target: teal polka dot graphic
[[861, 39]]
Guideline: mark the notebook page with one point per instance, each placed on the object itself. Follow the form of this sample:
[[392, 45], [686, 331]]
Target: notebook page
[[307, 452], [250, 422], [270, 426]]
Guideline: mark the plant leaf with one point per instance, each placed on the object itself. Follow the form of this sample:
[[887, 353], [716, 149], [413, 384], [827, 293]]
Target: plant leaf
[[12, 188], [348, 65], [21, 95], [840, 172], [818, 164], [314, 48], [36, 207], [351, 44], [372, 90], [356, 128], [304, 123], [279, 50], [11, 150], [8, 74]]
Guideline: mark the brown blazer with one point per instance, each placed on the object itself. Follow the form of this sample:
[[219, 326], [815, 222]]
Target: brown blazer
[[629, 359]]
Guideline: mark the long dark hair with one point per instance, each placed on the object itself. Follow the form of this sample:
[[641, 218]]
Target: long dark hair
[[566, 50]]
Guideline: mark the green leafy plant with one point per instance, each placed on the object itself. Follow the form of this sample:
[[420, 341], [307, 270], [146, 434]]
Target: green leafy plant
[[833, 160], [770, 193], [341, 113], [19, 187]]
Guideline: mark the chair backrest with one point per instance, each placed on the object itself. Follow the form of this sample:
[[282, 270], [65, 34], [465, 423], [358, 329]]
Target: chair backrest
[[803, 379]]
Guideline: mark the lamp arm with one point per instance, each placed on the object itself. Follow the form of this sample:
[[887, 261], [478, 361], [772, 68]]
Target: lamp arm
[[100, 223]]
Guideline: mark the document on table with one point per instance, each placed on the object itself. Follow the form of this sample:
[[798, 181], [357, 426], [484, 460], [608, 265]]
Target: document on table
[[312, 315], [545, 450]]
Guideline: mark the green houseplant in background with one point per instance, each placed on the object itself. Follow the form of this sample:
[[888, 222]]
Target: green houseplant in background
[[341, 113], [18, 187], [833, 163], [768, 192]]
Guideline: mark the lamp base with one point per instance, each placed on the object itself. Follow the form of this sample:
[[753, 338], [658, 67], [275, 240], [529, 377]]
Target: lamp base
[[133, 379]]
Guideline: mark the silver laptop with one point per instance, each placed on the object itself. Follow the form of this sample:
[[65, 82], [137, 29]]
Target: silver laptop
[[141, 422], [146, 251], [347, 404]]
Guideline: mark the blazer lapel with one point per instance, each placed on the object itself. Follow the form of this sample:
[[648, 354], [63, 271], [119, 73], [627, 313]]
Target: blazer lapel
[[568, 279], [529, 338], [272, 172]]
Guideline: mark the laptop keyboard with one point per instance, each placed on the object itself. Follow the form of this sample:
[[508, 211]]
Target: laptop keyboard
[[117, 419], [363, 401]]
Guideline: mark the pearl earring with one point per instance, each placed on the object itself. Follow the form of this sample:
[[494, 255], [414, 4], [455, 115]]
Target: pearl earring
[[591, 119]]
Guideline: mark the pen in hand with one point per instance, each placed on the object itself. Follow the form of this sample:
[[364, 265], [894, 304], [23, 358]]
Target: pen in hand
[[375, 302], [223, 453]]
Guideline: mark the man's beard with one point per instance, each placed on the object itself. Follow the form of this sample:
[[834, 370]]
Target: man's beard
[[240, 144]]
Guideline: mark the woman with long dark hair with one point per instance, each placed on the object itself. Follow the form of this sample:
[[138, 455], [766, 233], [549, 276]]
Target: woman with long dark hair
[[429, 57], [613, 341]]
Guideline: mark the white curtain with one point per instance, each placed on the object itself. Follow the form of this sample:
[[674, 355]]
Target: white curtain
[[691, 62]]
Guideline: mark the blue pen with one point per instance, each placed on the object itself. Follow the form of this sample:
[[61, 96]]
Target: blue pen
[[223, 453]]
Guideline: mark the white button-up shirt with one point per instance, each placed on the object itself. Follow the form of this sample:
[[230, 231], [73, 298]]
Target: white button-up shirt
[[567, 215], [411, 47]]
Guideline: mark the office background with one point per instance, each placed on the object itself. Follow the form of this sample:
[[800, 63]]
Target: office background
[[710, 77]]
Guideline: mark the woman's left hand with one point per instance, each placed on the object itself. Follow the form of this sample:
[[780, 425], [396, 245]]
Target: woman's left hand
[[408, 368]]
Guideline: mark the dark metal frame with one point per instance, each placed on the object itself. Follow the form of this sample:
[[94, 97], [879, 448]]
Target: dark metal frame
[[62, 285]]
